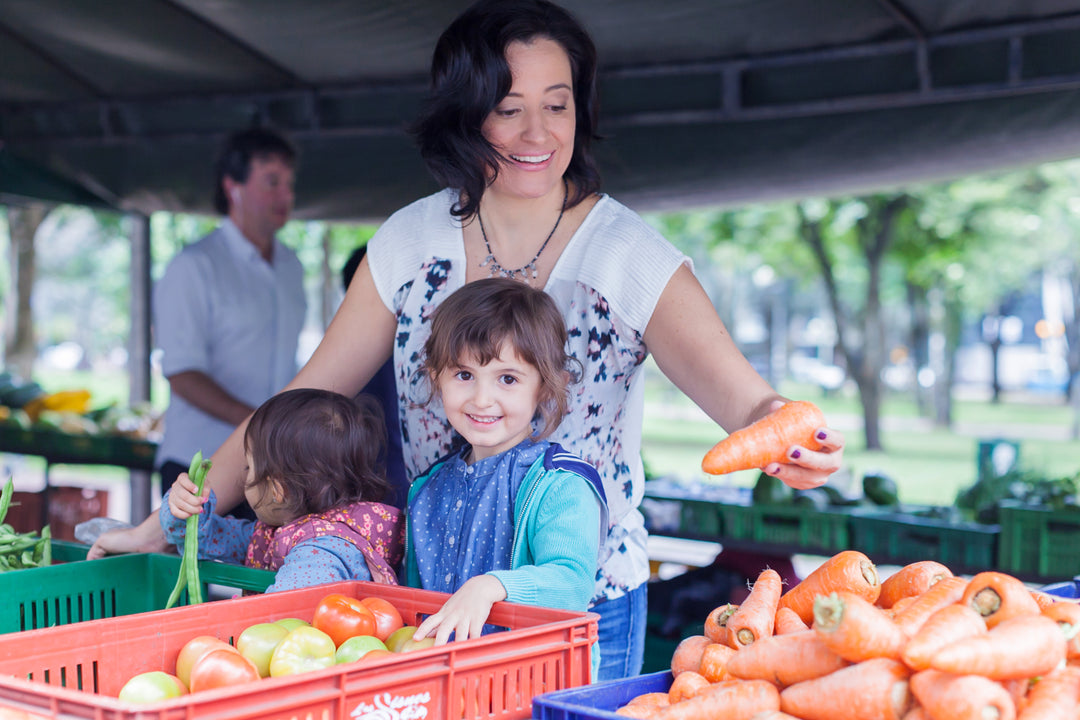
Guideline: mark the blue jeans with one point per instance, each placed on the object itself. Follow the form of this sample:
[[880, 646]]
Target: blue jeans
[[622, 634]]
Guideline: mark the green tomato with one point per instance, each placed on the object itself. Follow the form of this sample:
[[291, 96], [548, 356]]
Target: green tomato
[[257, 643], [357, 647], [302, 650], [153, 686]]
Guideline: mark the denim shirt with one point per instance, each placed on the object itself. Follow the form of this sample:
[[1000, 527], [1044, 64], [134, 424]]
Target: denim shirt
[[462, 519]]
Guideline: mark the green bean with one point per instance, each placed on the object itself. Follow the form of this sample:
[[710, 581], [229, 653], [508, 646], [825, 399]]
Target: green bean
[[189, 563], [5, 497]]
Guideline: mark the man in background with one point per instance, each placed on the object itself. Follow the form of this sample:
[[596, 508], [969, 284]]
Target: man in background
[[229, 309]]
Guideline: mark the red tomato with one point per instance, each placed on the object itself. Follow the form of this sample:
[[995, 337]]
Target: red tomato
[[387, 618], [194, 649], [342, 617], [221, 668]]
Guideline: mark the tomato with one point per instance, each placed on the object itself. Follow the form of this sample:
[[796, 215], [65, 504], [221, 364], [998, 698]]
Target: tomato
[[357, 647], [257, 643], [152, 686], [303, 649], [342, 617], [387, 618], [195, 648], [222, 668]]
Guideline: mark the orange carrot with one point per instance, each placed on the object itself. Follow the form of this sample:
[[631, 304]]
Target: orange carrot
[[1054, 696], [756, 616], [788, 621], [686, 685], [1043, 600], [998, 596], [1017, 689], [773, 715], [650, 699], [714, 662], [871, 690], [727, 700], [944, 627], [848, 570], [911, 580], [940, 594], [917, 713], [856, 629], [767, 440], [785, 659], [716, 624], [900, 604], [1022, 646], [955, 697], [641, 712], [1067, 615], [687, 655]]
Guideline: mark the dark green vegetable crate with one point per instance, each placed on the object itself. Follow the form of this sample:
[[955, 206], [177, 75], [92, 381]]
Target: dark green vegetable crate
[[75, 590], [888, 536], [1039, 542], [801, 528]]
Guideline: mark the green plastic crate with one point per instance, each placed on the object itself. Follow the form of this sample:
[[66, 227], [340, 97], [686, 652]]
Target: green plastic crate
[[700, 518], [826, 531], [1039, 542], [913, 535], [803, 529], [73, 591]]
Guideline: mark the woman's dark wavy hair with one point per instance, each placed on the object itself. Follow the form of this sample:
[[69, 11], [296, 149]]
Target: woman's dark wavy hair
[[322, 446], [470, 76]]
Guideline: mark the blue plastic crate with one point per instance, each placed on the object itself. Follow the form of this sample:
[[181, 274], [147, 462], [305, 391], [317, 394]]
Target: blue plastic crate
[[1069, 589], [600, 700]]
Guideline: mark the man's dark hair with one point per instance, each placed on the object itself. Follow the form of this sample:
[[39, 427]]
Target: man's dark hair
[[239, 149]]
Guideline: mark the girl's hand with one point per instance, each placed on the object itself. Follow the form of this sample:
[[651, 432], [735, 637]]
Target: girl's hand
[[809, 468], [465, 613], [183, 498]]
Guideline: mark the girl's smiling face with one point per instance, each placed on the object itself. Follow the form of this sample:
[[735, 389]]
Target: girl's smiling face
[[533, 127], [492, 405]]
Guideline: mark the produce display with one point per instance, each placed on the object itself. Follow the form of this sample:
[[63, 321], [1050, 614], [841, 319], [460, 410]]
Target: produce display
[[27, 406], [342, 629], [19, 551], [924, 644]]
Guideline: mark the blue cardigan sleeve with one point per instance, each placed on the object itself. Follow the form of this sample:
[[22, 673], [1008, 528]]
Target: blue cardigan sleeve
[[556, 552], [220, 538]]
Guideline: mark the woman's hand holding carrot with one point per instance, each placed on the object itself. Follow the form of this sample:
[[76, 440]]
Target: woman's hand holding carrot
[[790, 443]]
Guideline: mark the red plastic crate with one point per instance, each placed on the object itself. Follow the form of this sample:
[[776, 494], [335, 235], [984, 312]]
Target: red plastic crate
[[75, 671]]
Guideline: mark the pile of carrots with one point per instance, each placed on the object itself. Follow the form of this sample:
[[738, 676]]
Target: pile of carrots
[[842, 645]]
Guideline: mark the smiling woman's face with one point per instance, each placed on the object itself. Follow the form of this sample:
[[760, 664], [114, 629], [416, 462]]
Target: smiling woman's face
[[533, 127]]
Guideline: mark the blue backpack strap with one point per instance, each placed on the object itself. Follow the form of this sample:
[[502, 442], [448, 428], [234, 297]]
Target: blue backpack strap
[[557, 458]]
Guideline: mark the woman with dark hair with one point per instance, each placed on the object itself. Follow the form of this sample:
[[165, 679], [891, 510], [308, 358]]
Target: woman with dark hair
[[507, 131]]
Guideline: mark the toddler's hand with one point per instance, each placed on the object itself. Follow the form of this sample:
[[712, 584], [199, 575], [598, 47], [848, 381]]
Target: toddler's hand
[[183, 502], [465, 613]]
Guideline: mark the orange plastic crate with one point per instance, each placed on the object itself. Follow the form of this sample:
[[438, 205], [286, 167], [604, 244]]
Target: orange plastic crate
[[75, 671]]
